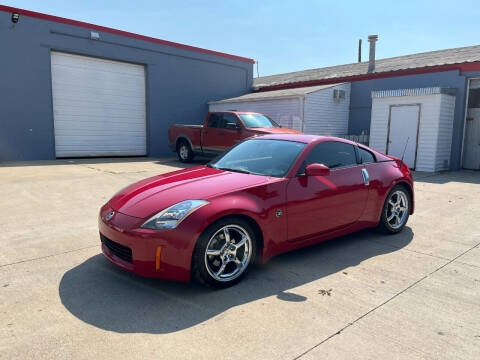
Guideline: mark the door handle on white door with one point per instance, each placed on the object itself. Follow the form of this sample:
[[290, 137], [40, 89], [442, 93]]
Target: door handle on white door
[[366, 177]]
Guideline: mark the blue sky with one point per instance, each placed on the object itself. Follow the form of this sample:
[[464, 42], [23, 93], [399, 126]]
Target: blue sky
[[285, 36]]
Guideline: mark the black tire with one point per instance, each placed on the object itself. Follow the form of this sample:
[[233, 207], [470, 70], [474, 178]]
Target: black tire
[[184, 151], [390, 222], [212, 235]]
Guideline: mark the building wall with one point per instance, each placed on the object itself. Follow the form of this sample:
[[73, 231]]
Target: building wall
[[180, 82], [286, 112], [323, 115], [445, 132], [361, 102]]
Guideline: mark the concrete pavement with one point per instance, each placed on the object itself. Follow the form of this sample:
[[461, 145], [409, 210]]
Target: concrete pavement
[[412, 295]]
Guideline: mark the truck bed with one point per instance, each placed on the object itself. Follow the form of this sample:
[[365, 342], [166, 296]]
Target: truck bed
[[186, 125], [190, 132]]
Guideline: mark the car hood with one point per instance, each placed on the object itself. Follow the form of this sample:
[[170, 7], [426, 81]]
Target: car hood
[[274, 130], [147, 197]]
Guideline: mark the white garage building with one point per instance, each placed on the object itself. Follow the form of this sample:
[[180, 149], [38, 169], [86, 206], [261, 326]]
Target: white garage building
[[418, 122], [320, 109]]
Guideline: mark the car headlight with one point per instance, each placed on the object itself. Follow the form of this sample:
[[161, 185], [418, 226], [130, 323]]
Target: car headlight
[[174, 215]]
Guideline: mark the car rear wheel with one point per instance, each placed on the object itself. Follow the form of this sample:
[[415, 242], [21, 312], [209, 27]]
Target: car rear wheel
[[224, 253], [184, 152], [396, 210]]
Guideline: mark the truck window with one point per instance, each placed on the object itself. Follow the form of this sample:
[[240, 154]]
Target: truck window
[[257, 121], [214, 121], [229, 119]]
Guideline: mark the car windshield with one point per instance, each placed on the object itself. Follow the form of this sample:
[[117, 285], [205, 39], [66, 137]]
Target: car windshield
[[260, 157], [257, 121]]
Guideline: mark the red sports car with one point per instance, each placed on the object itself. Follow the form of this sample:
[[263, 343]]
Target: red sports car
[[265, 196]]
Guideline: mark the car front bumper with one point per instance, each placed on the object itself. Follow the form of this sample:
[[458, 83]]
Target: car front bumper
[[160, 254]]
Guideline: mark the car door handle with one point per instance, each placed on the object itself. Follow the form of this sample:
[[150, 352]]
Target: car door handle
[[366, 177]]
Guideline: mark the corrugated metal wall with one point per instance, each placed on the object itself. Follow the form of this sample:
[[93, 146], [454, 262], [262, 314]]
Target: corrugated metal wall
[[445, 131], [324, 115]]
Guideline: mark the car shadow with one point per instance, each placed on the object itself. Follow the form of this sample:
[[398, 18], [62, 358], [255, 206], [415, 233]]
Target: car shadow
[[445, 177], [100, 294]]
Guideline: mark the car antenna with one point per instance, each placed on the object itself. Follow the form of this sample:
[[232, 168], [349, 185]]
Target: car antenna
[[405, 149]]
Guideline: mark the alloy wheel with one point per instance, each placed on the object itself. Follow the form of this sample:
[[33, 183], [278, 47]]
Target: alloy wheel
[[228, 253], [397, 209]]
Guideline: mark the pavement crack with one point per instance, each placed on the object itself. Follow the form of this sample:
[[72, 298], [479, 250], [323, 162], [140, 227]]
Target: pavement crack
[[96, 169], [385, 302], [410, 250], [47, 256], [113, 172]]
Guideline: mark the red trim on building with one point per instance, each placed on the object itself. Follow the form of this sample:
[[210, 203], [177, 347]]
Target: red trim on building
[[119, 32], [473, 66]]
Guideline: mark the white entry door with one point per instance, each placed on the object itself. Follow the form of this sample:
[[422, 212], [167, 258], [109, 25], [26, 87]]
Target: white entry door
[[98, 106], [402, 134]]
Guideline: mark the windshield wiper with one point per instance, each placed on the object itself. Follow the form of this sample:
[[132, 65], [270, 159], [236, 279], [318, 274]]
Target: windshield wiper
[[235, 170]]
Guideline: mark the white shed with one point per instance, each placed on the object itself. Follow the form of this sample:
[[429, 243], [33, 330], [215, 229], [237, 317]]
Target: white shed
[[418, 122], [320, 109]]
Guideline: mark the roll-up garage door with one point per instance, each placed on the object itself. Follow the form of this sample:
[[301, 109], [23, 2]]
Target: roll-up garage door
[[98, 106]]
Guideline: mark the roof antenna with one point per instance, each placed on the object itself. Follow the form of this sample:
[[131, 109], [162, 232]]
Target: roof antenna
[[405, 149]]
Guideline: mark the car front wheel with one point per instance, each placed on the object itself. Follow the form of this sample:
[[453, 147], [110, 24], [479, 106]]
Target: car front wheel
[[223, 253], [396, 210]]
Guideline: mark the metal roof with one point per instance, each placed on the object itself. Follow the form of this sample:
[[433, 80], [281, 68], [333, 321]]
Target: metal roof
[[286, 93], [427, 59], [413, 92]]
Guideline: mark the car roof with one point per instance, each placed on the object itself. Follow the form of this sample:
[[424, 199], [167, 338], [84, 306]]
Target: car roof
[[304, 138]]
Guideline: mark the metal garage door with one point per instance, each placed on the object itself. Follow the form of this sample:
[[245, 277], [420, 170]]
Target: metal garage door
[[98, 106]]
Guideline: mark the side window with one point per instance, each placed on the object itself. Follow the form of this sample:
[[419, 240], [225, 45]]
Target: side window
[[365, 156], [214, 121], [230, 121], [334, 154]]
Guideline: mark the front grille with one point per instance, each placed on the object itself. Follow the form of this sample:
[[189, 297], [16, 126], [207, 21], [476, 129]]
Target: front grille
[[123, 252]]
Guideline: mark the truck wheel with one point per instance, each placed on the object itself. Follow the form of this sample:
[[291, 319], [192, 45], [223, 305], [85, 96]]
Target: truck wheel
[[184, 152]]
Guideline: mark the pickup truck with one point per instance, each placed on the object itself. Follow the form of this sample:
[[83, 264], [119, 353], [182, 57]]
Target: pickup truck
[[220, 131]]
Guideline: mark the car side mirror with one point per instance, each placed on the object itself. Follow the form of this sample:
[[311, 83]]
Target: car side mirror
[[317, 170]]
